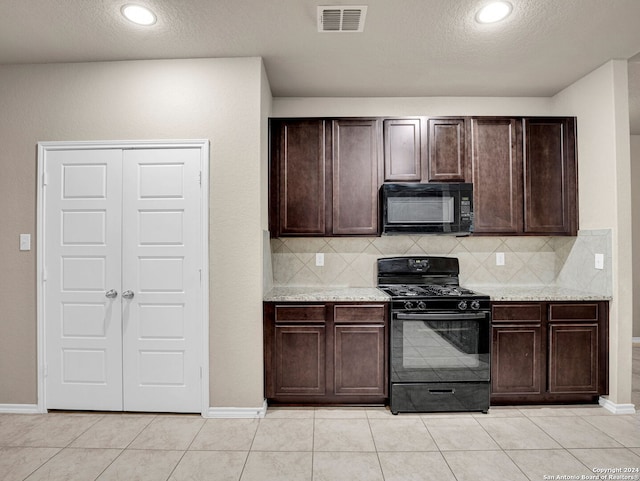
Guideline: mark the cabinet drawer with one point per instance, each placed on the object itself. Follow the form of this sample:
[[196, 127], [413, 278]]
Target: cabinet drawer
[[372, 313], [577, 312], [517, 312], [313, 313]]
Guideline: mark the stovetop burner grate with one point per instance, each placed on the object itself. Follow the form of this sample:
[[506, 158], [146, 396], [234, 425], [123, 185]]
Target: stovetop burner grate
[[408, 290]]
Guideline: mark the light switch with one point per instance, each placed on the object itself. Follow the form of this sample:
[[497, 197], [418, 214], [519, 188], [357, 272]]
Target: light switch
[[320, 259], [25, 242], [499, 258], [599, 261]]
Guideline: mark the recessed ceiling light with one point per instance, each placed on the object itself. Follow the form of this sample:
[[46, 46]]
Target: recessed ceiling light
[[493, 12], [138, 14]]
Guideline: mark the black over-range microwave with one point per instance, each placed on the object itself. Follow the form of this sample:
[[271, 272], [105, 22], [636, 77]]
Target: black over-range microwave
[[433, 208]]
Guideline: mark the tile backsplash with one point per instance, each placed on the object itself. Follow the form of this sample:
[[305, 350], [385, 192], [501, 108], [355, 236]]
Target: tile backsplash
[[539, 260]]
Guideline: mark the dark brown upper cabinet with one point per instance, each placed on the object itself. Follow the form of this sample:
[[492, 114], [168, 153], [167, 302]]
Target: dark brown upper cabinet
[[496, 157], [355, 177], [447, 150], [325, 176], [426, 150], [550, 177], [298, 187], [403, 150], [524, 175]]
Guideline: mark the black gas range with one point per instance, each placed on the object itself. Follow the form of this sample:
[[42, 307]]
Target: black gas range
[[440, 336]]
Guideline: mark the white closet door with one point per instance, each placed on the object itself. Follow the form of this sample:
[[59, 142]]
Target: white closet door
[[161, 269], [82, 239]]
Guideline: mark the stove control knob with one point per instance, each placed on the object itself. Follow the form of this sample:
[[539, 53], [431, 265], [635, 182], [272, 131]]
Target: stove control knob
[[422, 306], [475, 305], [408, 305], [462, 305]]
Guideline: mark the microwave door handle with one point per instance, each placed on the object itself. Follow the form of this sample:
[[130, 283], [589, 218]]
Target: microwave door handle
[[441, 316]]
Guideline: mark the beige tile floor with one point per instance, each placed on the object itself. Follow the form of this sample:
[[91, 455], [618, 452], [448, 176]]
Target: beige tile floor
[[306, 444]]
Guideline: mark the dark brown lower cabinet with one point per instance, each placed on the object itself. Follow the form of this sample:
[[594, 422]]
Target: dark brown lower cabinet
[[549, 352], [330, 353], [300, 360]]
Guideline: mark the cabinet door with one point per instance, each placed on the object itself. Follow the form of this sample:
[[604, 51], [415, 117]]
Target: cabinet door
[[359, 360], [402, 150], [294, 349], [355, 177], [517, 355], [515, 367], [359, 350], [573, 358], [301, 176], [447, 151], [300, 359], [497, 175], [573, 347], [550, 176]]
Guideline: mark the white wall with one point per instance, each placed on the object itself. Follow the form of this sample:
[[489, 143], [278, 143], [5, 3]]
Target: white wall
[[635, 208], [224, 100], [600, 101]]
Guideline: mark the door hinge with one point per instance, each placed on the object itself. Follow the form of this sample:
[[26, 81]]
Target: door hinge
[[200, 177], [45, 370], [45, 179], [200, 372], [44, 275]]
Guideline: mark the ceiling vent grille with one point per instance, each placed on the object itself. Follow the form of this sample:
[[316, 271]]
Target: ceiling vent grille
[[341, 18]]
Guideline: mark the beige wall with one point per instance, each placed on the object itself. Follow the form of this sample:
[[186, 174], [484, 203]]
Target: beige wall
[[600, 101], [224, 100], [635, 206], [345, 107]]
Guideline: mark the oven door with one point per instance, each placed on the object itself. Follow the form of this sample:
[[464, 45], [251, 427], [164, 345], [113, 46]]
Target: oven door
[[440, 346]]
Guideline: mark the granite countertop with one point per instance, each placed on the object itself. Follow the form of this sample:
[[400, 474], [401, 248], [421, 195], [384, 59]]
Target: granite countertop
[[537, 293], [325, 294], [371, 294]]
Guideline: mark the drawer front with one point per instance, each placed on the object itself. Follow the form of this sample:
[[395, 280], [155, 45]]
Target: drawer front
[[361, 313], [573, 312], [311, 313], [517, 312]]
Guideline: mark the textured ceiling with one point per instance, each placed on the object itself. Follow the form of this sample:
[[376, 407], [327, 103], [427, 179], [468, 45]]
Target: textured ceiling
[[408, 47]]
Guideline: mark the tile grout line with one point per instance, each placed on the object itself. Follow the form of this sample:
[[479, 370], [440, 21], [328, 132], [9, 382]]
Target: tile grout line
[[246, 460], [375, 446], [568, 449], [313, 441], [439, 450], [60, 448], [504, 450], [122, 450], [186, 450]]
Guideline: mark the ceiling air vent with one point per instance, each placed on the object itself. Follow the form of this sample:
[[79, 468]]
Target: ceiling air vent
[[341, 18]]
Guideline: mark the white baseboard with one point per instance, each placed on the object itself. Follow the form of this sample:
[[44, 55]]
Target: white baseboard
[[19, 409], [617, 408], [250, 413]]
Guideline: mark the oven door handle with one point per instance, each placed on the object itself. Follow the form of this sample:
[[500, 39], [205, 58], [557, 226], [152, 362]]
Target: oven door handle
[[442, 316]]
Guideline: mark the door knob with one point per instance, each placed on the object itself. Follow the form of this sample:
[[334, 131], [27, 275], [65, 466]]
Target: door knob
[[127, 294], [111, 294]]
